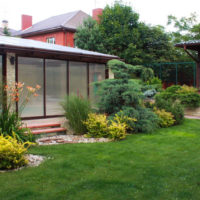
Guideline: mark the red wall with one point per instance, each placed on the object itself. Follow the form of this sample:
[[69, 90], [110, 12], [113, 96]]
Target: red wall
[[61, 38]]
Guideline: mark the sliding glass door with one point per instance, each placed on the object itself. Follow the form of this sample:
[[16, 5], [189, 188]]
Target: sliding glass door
[[56, 85], [57, 78], [78, 78], [31, 73]]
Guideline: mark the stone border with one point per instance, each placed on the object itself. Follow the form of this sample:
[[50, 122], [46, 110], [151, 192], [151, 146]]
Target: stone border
[[64, 139]]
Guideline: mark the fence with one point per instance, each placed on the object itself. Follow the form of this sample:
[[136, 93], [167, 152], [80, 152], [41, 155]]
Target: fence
[[175, 73]]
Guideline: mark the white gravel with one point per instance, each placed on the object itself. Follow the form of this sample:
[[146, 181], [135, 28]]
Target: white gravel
[[63, 139]]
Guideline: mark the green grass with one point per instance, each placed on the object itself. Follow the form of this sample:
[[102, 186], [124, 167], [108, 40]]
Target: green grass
[[164, 165]]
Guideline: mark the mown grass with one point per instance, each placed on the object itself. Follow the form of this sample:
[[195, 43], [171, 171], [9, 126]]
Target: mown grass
[[164, 165]]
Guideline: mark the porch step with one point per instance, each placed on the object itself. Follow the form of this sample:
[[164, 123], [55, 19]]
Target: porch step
[[46, 125], [49, 130]]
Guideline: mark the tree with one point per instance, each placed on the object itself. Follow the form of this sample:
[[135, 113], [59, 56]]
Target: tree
[[6, 31], [186, 28], [121, 33], [88, 36]]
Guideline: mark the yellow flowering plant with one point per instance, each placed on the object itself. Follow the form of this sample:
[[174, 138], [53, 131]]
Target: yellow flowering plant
[[12, 152]]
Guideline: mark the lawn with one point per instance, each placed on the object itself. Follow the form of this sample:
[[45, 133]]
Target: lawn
[[164, 165]]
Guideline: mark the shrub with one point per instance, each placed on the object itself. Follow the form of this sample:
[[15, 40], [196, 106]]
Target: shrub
[[171, 106], [98, 126], [12, 152], [147, 74], [76, 111], [144, 119], [117, 130], [10, 122], [188, 96], [166, 119]]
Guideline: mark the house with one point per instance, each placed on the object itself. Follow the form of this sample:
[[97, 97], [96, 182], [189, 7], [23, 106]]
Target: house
[[59, 70], [58, 29], [193, 45]]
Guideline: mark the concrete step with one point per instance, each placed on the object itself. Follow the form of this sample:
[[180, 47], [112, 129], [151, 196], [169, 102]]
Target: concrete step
[[49, 130]]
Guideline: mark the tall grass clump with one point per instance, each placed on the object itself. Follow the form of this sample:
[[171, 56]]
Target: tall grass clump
[[76, 111]]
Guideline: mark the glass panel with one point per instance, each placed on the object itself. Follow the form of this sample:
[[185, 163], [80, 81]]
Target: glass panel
[[30, 72], [1, 69], [56, 85], [78, 78], [96, 73]]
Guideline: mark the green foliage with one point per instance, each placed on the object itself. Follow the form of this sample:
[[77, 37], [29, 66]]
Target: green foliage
[[124, 97], [188, 96], [166, 119], [139, 120], [10, 122], [117, 130], [12, 152], [76, 111], [121, 33], [119, 92], [147, 74], [89, 37], [185, 29], [170, 106], [6, 31], [98, 126]]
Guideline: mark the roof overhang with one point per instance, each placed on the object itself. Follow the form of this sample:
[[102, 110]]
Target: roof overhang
[[191, 45], [44, 31], [43, 53]]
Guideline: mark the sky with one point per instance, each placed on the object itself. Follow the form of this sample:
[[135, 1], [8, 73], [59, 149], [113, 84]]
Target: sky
[[152, 12]]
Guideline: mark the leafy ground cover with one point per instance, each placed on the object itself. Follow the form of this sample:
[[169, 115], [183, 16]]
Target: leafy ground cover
[[162, 165]]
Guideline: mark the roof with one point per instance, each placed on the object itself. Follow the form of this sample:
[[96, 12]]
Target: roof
[[68, 21], [191, 44], [14, 43], [11, 31]]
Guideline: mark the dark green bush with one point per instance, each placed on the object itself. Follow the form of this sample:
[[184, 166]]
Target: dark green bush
[[146, 120], [76, 111], [124, 97]]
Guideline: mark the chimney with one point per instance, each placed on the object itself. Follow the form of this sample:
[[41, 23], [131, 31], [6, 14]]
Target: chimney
[[4, 24], [96, 13], [26, 21]]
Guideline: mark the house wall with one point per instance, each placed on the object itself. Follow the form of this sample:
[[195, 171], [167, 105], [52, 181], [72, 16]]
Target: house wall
[[61, 38]]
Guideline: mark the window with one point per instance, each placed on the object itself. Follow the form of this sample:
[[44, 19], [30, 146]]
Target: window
[[51, 40]]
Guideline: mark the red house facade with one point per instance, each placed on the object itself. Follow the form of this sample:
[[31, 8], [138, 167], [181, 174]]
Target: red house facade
[[57, 29]]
